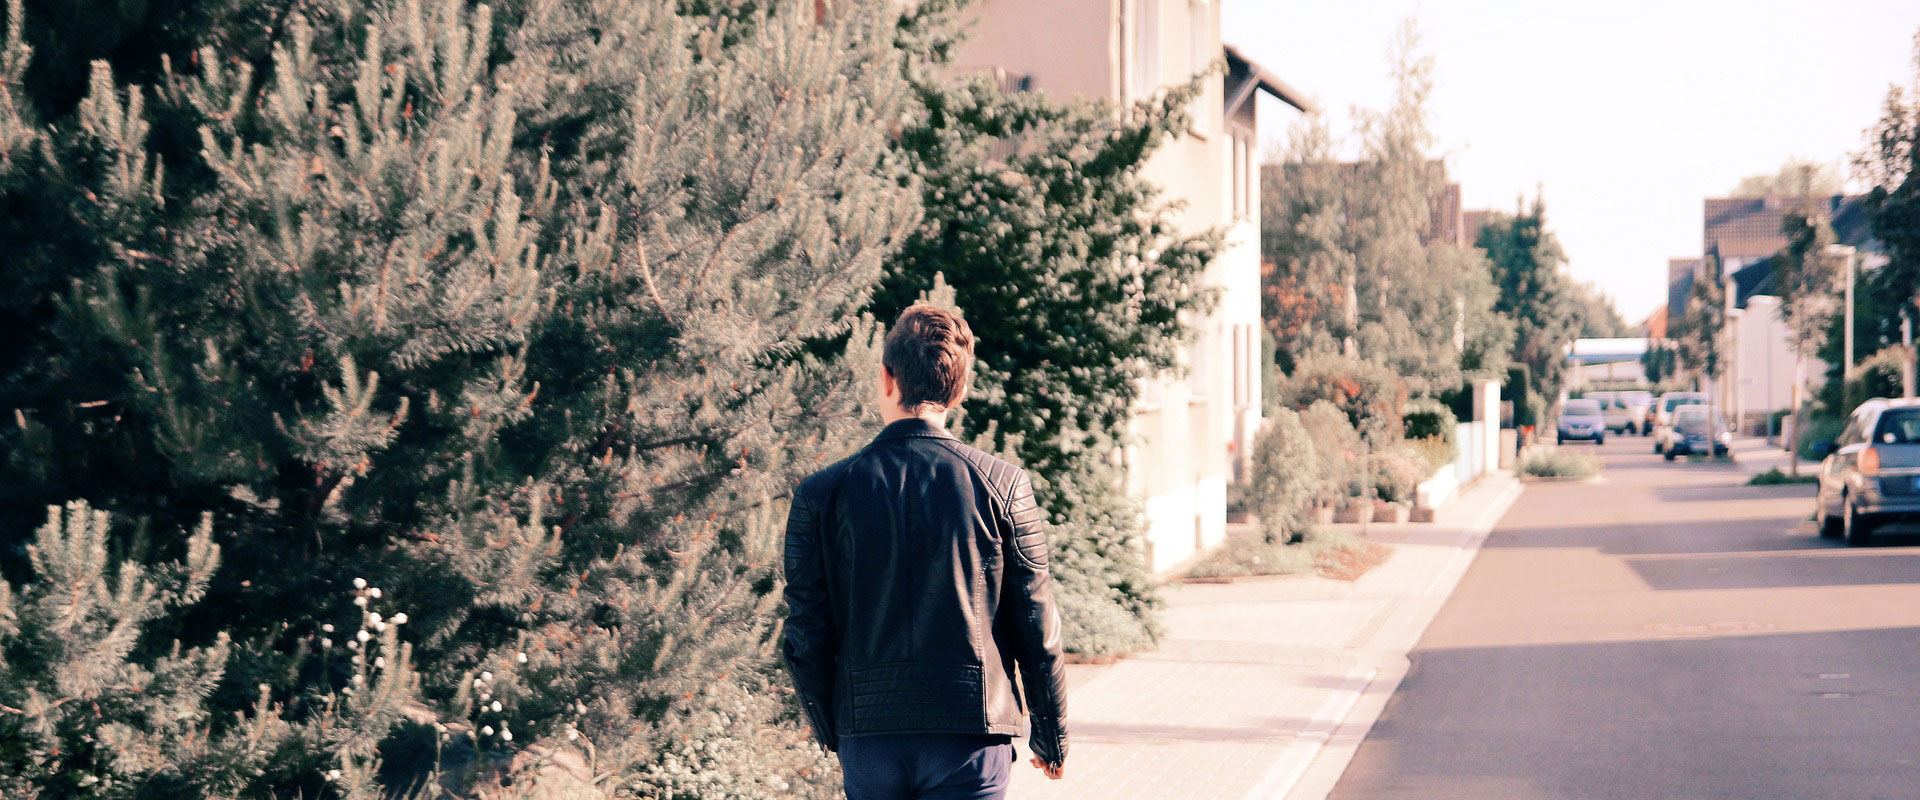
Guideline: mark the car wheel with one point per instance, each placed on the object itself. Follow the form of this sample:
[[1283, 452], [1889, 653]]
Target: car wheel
[[1599, 440], [1559, 440], [1658, 448], [1669, 455], [1830, 526], [1855, 526]]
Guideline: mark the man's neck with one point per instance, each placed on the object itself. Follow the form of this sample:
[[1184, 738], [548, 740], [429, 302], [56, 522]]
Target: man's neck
[[937, 419]]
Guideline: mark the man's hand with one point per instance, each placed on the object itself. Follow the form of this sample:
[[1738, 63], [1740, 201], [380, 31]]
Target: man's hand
[[1053, 771], [1047, 738]]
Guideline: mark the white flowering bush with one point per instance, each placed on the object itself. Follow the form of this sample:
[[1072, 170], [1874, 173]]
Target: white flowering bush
[[733, 748]]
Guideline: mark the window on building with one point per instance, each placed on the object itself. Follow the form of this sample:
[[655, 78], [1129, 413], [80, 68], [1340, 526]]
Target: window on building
[[1146, 47], [1251, 183], [1239, 178], [1200, 48]]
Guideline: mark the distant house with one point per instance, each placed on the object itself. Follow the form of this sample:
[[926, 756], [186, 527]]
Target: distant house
[[1472, 222], [1192, 434], [1744, 232], [1681, 273]]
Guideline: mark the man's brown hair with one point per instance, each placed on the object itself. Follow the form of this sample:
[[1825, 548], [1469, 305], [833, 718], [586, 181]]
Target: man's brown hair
[[929, 352]]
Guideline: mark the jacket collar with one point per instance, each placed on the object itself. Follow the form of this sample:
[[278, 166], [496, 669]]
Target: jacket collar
[[913, 427]]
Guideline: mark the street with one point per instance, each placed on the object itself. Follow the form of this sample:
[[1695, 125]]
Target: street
[[1664, 632]]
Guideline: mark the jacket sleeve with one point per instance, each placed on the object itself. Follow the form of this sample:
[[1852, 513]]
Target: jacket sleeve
[[1035, 617], [809, 645]]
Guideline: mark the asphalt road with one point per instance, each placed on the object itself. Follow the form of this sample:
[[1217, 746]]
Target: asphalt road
[[1666, 632]]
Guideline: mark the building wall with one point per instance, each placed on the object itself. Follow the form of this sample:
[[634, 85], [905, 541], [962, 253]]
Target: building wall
[[1068, 48], [1764, 363], [1191, 432]]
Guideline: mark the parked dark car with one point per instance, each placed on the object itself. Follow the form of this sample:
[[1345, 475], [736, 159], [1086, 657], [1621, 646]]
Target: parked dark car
[[1696, 430], [1871, 475]]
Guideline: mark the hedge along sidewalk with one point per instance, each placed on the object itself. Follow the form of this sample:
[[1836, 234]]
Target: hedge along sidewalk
[[1260, 687]]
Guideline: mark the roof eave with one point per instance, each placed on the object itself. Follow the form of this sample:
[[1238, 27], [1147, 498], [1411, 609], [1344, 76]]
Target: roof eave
[[1269, 82]]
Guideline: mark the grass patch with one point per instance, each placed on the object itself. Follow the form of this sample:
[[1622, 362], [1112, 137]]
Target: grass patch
[[1558, 463], [1330, 553], [1774, 477]]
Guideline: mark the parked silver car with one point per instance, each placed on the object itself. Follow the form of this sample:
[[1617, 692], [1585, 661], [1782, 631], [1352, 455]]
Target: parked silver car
[[1581, 419], [1871, 475]]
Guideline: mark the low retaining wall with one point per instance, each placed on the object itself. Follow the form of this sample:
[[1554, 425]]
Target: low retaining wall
[[1470, 460]]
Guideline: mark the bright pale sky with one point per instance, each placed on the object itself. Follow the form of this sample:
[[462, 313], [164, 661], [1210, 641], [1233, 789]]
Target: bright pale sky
[[1625, 113]]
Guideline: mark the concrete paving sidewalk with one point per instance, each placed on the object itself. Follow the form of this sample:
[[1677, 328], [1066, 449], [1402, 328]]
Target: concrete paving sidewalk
[[1265, 687], [1755, 455]]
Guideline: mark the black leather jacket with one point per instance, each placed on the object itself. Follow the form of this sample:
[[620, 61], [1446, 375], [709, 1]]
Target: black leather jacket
[[916, 583]]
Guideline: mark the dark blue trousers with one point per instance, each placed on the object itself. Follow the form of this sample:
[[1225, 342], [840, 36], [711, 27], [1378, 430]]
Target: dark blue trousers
[[926, 766]]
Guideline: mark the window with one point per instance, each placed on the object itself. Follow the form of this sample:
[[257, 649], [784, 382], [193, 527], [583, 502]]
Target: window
[[1239, 147], [1239, 365], [1146, 47], [1251, 180], [1854, 432], [1200, 49], [1898, 426]]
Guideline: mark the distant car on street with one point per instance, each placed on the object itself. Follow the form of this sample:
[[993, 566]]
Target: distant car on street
[[1663, 409], [1696, 430], [1582, 419], [1871, 475], [1627, 412]]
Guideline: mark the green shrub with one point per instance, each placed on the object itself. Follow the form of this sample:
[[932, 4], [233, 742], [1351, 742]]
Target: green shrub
[[1337, 448], [1286, 476], [1096, 625], [1558, 463], [1876, 376], [1774, 477], [1099, 553], [1816, 429], [1426, 418], [1397, 469], [1436, 452], [1242, 556], [1370, 395]]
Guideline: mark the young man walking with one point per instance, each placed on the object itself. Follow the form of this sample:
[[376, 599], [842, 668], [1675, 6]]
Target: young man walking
[[917, 588]]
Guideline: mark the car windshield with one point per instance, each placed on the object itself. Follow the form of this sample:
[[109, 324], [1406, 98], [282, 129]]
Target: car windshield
[[1636, 398], [1899, 426], [1691, 423], [1581, 408], [1676, 402]]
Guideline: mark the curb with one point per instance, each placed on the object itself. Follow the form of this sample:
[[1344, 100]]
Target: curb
[[1333, 735]]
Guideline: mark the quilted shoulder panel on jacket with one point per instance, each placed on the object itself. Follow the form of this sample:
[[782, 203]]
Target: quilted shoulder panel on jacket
[[1014, 490]]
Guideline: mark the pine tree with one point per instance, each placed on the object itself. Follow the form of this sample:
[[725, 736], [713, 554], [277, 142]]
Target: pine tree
[[526, 317], [1070, 268]]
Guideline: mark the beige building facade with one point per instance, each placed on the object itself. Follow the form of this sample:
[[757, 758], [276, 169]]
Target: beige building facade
[[1191, 433]]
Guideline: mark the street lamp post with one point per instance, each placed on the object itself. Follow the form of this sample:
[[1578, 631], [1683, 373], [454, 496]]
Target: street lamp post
[[1846, 251]]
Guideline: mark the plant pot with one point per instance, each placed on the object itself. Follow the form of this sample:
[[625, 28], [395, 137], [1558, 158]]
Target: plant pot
[[1420, 515], [1354, 512], [1389, 512], [1323, 514]]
